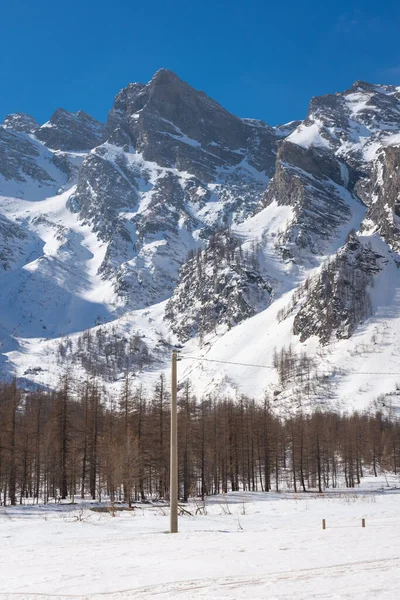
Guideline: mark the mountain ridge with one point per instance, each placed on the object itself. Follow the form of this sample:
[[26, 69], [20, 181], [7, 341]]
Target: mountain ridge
[[177, 221]]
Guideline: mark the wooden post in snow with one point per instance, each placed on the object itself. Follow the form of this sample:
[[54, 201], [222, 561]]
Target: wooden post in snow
[[173, 488]]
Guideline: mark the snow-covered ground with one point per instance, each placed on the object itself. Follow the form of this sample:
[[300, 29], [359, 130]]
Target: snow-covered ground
[[247, 545]]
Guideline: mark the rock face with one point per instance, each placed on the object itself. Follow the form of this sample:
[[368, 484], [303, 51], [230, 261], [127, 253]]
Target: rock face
[[337, 300], [350, 123], [14, 243], [20, 161], [382, 192], [326, 162], [220, 285], [20, 122], [174, 125], [70, 131], [314, 183]]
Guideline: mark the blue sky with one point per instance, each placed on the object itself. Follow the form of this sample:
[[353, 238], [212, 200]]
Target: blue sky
[[257, 58]]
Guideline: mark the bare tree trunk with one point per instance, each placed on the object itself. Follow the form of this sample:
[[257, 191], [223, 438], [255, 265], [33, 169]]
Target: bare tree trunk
[[12, 493]]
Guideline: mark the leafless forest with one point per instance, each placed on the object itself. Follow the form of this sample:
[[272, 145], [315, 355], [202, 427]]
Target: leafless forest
[[69, 444]]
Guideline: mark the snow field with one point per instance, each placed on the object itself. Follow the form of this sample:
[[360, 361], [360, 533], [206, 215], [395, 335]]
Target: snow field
[[247, 545]]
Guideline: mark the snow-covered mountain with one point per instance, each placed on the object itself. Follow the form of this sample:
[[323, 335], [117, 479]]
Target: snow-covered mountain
[[177, 223]]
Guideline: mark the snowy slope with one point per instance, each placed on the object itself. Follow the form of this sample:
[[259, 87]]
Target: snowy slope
[[353, 372], [107, 229]]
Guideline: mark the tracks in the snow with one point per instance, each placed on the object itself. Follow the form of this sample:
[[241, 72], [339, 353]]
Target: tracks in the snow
[[230, 587]]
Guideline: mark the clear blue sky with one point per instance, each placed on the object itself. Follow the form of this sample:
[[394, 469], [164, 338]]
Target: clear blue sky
[[257, 58]]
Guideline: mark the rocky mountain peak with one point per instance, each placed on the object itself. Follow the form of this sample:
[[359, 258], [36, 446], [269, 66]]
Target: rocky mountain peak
[[362, 86], [70, 131], [365, 86], [166, 77], [175, 125], [327, 105], [20, 122], [164, 88], [356, 103], [168, 97], [351, 124]]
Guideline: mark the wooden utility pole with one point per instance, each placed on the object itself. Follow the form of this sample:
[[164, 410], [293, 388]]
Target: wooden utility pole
[[173, 488]]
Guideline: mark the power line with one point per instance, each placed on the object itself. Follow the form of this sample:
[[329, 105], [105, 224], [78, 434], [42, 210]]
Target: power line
[[228, 362]]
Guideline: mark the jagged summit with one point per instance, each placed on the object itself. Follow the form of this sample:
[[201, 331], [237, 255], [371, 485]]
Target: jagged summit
[[355, 99], [171, 98], [172, 161], [166, 82], [165, 76], [365, 86], [175, 125], [325, 167], [20, 122], [70, 131], [162, 79], [360, 85]]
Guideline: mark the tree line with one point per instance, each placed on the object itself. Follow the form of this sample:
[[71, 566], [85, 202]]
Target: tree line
[[105, 353], [80, 443]]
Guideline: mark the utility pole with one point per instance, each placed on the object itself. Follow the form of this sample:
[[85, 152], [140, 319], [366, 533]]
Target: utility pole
[[173, 488]]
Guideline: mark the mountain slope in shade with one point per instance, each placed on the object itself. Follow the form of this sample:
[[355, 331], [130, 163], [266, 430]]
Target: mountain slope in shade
[[177, 222]]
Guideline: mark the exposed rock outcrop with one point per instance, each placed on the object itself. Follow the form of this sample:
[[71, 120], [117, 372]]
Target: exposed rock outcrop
[[337, 300], [20, 122], [70, 131], [220, 285]]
